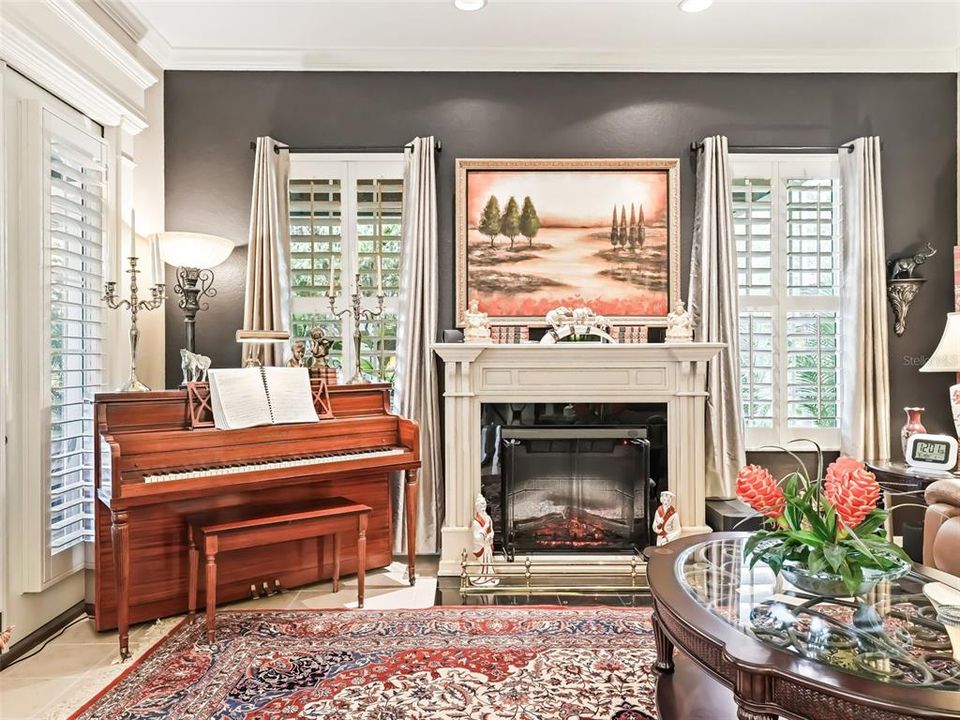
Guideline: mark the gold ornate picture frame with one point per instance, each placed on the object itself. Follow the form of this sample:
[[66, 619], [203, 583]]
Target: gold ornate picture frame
[[534, 234]]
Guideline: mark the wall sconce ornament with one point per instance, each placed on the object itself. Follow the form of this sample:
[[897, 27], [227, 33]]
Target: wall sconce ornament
[[903, 284]]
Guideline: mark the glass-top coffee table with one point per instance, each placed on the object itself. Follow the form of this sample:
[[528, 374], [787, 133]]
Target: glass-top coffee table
[[882, 656]]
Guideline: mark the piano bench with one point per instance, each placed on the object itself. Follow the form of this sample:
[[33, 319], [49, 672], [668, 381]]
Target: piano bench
[[245, 527]]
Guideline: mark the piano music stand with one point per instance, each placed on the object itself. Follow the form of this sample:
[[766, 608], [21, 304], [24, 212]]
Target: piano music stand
[[198, 401]]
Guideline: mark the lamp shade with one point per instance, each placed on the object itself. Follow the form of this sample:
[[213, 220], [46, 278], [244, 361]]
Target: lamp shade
[[946, 358], [196, 250]]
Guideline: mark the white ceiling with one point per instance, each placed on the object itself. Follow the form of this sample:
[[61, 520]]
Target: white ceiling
[[733, 35]]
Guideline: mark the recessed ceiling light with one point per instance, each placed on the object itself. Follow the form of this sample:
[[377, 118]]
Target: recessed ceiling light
[[469, 5], [692, 6]]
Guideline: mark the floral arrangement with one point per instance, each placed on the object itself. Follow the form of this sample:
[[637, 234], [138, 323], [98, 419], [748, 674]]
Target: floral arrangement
[[830, 526]]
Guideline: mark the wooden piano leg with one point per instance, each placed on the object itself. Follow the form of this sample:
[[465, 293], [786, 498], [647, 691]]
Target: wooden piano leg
[[120, 535], [321, 543], [410, 501], [361, 557], [193, 554], [211, 597], [336, 562]]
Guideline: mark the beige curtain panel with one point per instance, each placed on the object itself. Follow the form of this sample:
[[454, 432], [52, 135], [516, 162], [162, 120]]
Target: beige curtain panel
[[266, 302], [417, 394], [865, 400], [713, 301]]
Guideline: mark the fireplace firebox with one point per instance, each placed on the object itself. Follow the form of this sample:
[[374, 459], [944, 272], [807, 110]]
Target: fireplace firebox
[[574, 488]]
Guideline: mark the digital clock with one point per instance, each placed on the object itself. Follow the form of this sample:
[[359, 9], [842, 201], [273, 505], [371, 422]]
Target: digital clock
[[931, 452]]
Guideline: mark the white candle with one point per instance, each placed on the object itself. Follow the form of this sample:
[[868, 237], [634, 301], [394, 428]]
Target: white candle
[[379, 275], [156, 261], [133, 234], [332, 283]]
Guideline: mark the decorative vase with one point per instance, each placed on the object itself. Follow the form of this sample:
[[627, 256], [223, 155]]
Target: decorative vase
[[912, 426], [825, 584]]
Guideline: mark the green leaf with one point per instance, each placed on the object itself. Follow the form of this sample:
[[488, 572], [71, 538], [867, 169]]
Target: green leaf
[[807, 538], [816, 562], [751, 544], [852, 575], [872, 523], [834, 555], [831, 521], [816, 522], [793, 514], [790, 485], [881, 546]]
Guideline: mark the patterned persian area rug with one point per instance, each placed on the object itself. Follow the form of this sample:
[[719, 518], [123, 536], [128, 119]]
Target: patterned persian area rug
[[493, 663]]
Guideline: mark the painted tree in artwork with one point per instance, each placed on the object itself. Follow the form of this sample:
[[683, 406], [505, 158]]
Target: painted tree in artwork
[[529, 221], [489, 223], [510, 220]]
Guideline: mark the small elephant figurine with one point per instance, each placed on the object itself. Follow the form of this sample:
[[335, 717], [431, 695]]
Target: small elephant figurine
[[194, 366], [903, 268]]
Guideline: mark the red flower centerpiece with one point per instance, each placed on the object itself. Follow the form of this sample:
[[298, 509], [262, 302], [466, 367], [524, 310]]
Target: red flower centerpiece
[[825, 536]]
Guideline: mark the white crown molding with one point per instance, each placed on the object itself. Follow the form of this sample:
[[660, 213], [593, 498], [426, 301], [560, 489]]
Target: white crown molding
[[549, 60], [157, 48], [77, 19], [124, 17], [23, 51]]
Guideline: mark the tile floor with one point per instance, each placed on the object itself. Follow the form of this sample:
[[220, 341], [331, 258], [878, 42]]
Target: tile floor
[[79, 663]]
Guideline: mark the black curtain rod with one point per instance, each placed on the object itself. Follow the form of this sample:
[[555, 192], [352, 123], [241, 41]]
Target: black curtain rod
[[813, 149], [344, 148]]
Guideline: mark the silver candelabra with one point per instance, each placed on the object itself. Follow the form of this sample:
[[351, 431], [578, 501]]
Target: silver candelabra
[[135, 305], [358, 314]]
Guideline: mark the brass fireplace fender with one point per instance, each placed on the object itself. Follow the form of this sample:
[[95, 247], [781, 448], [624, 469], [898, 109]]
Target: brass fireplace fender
[[531, 576]]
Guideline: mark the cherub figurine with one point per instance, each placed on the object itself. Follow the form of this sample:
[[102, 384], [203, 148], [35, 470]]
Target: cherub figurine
[[319, 347], [666, 522], [477, 325], [298, 358], [679, 325], [482, 529]]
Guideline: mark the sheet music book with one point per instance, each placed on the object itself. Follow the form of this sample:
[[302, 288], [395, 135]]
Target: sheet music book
[[250, 397]]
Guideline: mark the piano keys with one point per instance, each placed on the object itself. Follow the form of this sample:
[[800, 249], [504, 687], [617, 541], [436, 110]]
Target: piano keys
[[283, 464], [153, 471]]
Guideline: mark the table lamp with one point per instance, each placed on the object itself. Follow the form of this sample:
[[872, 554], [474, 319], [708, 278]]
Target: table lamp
[[193, 254], [946, 358]]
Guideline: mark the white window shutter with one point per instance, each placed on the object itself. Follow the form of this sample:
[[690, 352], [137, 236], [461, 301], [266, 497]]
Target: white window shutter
[[788, 258], [65, 184], [345, 213]]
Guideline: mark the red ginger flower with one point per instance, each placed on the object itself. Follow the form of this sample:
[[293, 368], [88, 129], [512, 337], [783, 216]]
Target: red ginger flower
[[758, 489], [851, 489]]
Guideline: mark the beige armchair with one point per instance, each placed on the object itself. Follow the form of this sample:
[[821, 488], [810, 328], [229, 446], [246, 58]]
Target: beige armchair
[[941, 526]]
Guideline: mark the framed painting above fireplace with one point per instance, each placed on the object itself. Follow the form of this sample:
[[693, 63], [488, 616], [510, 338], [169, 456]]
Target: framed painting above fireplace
[[533, 235]]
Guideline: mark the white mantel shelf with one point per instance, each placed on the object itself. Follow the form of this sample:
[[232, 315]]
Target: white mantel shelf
[[672, 374]]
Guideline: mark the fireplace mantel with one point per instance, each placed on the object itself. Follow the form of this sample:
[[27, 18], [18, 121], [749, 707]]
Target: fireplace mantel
[[671, 374]]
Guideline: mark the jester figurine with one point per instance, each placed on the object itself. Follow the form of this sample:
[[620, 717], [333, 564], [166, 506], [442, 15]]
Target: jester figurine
[[666, 521], [482, 529]]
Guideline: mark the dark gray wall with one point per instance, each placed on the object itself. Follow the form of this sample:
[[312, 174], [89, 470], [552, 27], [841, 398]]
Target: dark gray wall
[[212, 116]]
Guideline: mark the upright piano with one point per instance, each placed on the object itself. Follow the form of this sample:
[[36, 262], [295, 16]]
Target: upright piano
[[153, 470]]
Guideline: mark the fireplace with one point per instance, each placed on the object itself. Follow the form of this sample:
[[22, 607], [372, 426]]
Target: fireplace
[[581, 384], [574, 488]]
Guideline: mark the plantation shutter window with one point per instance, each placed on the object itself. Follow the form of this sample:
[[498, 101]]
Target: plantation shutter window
[[345, 217], [75, 265], [63, 229], [787, 228]]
